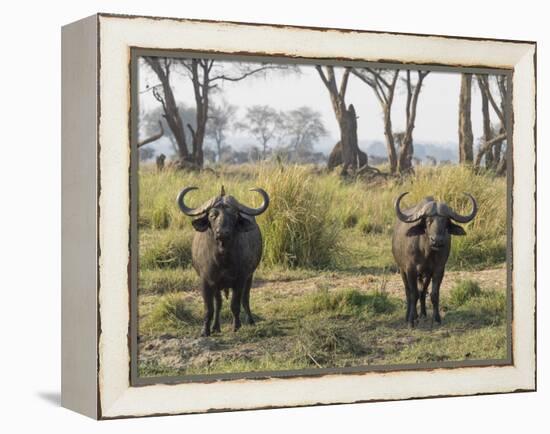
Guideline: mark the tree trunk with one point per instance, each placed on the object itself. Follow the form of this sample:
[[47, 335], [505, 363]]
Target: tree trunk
[[219, 146], [201, 102], [487, 133], [465, 134], [347, 124], [169, 106], [346, 117], [406, 148], [406, 151], [390, 142], [348, 131], [501, 168]]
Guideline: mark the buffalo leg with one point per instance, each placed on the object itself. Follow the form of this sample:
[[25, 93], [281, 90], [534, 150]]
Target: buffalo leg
[[236, 306], [436, 283], [407, 295], [423, 293], [246, 301], [217, 311], [208, 299], [412, 279]]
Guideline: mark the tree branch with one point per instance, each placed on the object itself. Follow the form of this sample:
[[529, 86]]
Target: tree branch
[[379, 76], [246, 74], [363, 78], [152, 138], [344, 82], [486, 89], [192, 131], [150, 88], [372, 84], [319, 69], [487, 145]]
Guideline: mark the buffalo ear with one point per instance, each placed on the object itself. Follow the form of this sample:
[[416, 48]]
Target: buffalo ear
[[456, 230], [245, 224], [200, 224], [419, 229]]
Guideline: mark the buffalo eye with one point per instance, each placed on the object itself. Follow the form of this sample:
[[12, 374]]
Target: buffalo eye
[[214, 214]]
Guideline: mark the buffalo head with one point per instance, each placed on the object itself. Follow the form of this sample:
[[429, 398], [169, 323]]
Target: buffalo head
[[434, 219], [223, 215]]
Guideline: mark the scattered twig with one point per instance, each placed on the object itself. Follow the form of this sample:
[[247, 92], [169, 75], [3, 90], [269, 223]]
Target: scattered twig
[[314, 361]]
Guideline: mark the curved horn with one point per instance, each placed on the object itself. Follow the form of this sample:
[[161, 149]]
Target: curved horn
[[401, 215], [464, 218], [191, 212], [255, 211]]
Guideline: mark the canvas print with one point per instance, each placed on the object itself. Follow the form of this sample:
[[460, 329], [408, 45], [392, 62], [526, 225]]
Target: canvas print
[[305, 218]]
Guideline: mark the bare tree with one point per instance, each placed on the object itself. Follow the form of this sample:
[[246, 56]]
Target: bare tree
[[406, 143], [493, 138], [205, 76], [219, 122], [263, 123], [163, 68], [345, 116], [383, 83], [465, 134], [302, 127]]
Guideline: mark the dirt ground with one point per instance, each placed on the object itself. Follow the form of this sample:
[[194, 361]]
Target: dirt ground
[[388, 339], [391, 283]]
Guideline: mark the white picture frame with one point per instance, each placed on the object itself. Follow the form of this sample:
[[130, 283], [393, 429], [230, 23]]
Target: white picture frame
[[96, 300]]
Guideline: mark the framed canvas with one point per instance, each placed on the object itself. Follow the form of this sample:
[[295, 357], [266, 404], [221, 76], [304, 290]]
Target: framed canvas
[[385, 252]]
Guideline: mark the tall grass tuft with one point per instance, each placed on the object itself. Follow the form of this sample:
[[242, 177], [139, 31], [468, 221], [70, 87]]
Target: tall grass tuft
[[160, 218], [299, 228]]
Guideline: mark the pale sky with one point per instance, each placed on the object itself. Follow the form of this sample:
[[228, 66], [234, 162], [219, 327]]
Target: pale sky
[[437, 113]]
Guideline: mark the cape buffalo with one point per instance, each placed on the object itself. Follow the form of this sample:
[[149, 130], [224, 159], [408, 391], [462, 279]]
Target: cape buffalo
[[420, 245], [226, 250]]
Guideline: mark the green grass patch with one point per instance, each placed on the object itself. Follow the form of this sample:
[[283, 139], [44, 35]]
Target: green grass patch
[[347, 302], [487, 308], [165, 249], [474, 344], [463, 291], [162, 281], [173, 313]]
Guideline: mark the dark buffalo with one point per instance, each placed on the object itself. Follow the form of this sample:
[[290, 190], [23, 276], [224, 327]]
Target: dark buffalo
[[227, 248], [420, 245]]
